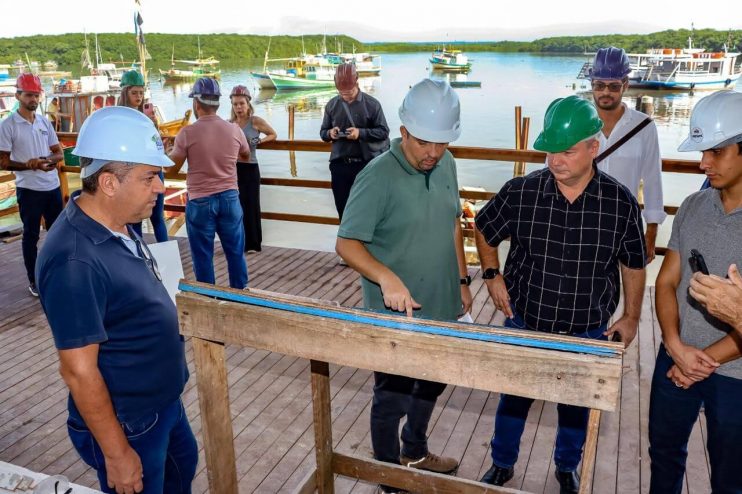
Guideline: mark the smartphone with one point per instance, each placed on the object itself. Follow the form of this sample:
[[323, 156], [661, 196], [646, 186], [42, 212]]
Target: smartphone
[[147, 109], [342, 134], [697, 263]]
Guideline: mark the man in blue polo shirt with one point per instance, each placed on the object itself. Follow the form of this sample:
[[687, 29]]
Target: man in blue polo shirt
[[114, 325], [30, 149]]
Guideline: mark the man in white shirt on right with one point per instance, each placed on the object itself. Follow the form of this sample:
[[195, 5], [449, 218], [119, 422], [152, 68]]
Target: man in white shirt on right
[[638, 159]]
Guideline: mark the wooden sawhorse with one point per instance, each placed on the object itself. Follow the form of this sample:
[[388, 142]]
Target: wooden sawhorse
[[546, 367]]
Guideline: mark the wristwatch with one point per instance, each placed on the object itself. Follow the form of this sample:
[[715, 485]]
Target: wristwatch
[[490, 273], [466, 281]]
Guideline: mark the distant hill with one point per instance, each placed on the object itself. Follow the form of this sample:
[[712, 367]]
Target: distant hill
[[66, 49]]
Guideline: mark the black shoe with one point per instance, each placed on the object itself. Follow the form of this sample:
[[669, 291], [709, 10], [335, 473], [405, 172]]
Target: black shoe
[[498, 475], [569, 482]]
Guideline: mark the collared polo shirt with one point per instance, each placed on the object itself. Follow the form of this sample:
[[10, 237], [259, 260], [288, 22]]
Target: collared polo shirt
[[406, 220], [25, 140], [94, 290], [703, 224], [562, 270], [637, 160]]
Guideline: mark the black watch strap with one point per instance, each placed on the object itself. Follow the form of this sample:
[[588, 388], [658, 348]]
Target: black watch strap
[[466, 281], [490, 273]]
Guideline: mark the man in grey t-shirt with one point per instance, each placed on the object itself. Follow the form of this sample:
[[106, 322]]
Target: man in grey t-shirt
[[698, 363]]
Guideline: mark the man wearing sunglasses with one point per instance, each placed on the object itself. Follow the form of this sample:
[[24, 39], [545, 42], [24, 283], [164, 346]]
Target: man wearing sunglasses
[[698, 363], [114, 324], [637, 159]]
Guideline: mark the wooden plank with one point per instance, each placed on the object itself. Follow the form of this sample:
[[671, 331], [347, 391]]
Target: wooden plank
[[322, 425], [409, 478], [555, 376], [309, 484], [588, 457], [211, 373]]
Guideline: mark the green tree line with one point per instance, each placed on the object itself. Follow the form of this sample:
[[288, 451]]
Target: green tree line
[[66, 49], [710, 39]]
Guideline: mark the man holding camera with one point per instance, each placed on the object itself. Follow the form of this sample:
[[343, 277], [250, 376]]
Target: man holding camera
[[30, 149], [698, 363], [355, 124]]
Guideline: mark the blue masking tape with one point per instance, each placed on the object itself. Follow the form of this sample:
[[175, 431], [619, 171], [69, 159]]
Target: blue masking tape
[[416, 327]]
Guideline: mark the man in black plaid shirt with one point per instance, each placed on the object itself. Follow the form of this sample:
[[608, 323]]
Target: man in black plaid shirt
[[572, 228]]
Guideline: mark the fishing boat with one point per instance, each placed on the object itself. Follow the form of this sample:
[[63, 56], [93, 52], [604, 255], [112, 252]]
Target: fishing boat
[[192, 69], [450, 61], [680, 69], [367, 65], [306, 72], [50, 65]]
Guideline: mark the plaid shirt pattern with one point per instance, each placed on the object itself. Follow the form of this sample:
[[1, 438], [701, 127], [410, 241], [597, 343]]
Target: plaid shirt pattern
[[562, 270]]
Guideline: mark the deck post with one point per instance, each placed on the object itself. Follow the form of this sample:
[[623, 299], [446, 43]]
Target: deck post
[[213, 399], [591, 447], [322, 425]]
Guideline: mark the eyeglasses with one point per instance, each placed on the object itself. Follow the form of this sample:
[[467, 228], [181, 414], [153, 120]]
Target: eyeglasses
[[613, 87], [146, 255]]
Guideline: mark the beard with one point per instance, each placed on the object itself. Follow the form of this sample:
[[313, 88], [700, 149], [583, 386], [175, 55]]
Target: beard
[[607, 103]]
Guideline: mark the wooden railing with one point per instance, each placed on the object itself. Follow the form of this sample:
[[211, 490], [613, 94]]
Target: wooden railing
[[504, 156]]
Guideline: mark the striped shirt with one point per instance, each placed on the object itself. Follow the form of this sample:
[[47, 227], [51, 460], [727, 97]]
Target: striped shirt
[[562, 270]]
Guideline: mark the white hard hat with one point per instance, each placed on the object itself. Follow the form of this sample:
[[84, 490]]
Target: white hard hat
[[431, 112], [56, 484], [716, 121], [118, 133]]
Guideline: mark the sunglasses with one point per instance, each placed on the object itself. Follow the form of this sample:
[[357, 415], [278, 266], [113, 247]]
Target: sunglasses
[[613, 87], [145, 254]]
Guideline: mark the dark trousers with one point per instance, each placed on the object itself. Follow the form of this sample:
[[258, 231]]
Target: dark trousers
[[395, 397], [343, 174], [157, 218], [248, 182], [34, 205], [512, 413], [673, 412]]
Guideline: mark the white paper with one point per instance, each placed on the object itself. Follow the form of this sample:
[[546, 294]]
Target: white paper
[[167, 255], [466, 318]]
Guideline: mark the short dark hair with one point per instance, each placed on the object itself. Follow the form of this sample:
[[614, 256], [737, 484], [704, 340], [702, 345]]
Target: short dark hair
[[739, 146], [206, 106], [90, 184]]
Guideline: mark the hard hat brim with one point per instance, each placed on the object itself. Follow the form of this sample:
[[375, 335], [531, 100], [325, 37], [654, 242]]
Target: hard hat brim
[[436, 136]]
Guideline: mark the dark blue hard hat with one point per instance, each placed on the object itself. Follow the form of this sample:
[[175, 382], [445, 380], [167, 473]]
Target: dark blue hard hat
[[205, 86], [610, 63]]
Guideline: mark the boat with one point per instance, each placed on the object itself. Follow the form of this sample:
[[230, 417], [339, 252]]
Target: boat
[[200, 67], [192, 69], [306, 72], [680, 69], [50, 65], [367, 65], [450, 61]]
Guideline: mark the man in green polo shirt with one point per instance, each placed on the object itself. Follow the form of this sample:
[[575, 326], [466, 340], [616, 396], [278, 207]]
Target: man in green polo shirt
[[401, 231]]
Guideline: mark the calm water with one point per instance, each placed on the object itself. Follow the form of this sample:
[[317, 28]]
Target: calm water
[[531, 81]]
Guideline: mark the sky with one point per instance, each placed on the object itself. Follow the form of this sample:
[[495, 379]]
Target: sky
[[377, 20]]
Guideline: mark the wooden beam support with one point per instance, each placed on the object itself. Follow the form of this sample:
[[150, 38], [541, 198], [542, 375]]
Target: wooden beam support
[[591, 449], [562, 377], [322, 425], [409, 478], [216, 419]]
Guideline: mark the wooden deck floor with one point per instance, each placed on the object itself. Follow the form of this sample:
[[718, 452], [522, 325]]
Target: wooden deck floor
[[270, 397]]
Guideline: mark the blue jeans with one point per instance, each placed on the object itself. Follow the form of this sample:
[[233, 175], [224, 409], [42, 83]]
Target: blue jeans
[[673, 412], [164, 442], [221, 214], [157, 218], [32, 206], [512, 412]]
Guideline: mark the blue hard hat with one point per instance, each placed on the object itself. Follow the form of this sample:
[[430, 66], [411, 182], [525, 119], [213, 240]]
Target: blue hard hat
[[610, 63], [205, 86]]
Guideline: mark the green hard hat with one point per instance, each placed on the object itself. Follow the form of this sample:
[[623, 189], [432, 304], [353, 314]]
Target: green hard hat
[[132, 78], [567, 121]]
